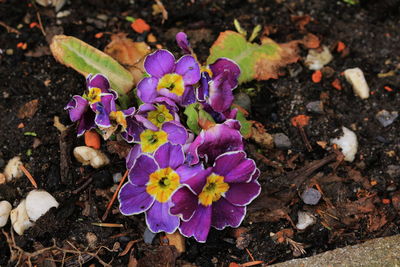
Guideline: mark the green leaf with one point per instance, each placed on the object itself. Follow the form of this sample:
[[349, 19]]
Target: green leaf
[[30, 134], [192, 114], [256, 61], [86, 59], [245, 128]]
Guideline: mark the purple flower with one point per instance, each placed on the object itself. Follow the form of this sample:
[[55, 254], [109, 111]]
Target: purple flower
[[169, 79], [183, 43], [152, 181], [216, 84], [80, 111], [214, 141], [217, 196], [161, 111]]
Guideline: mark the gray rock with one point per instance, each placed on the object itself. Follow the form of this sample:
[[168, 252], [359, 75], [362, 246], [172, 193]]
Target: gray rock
[[281, 141], [148, 236], [393, 171], [316, 107], [243, 100], [311, 196], [117, 177], [386, 118]]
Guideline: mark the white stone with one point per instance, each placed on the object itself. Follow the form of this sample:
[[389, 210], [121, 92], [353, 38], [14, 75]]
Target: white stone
[[316, 59], [12, 169], [305, 219], [19, 218], [5, 209], [38, 202], [87, 155], [356, 78], [348, 143]]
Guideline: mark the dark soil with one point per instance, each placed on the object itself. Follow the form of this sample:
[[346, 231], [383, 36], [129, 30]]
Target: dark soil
[[354, 193]]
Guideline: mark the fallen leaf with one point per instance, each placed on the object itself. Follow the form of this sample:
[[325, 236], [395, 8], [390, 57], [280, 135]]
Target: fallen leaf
[[316, 76], [118, 147], [300, 21], [28, 109], [39, 52], [261, 137], [300, 120], [282, 235], [128, 53], [177, 240], [140, 26]]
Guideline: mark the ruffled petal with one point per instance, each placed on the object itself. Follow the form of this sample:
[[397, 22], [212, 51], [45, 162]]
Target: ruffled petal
[[188, 96], [177, 134], [169, 155], [147, 89], [197, 182], [183, 43], [159, 63], [235, 167], [141, 170], [98, 81], [159, 219], [134, 153], [229, 67], [225, 214], [221, 96], [199, 225], [184, 203], [241, 194], [189, 69], [134, 199], [86, 122], [76, 107], [102, 116]]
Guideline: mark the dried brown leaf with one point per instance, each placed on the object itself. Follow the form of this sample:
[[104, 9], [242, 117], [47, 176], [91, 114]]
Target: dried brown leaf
[[28, 109]]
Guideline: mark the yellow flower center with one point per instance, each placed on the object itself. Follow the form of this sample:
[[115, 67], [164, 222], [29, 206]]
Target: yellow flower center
[[94, 95], [160, 115], [151, 140], [212, 191], [173, 82], [162, 184], [119, 118], [206, 69]]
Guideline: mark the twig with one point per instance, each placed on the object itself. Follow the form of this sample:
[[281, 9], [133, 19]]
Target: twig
[[112, 225], [29, 175], [82, 187], [114, 196], [9, 29], [40, 23]]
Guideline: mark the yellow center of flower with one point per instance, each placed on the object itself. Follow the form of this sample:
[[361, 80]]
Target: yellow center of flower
[[160, 115], [162, 183], [212, 191], [206, 69], [119, 118], [173, 82], [151, 140], [94, 95]]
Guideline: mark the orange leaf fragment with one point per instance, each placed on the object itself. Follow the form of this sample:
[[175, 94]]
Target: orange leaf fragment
[[234, 264], [316, 76], [140, 26], [387, 88], [300, 120], [92, 139], [98, 35], [22, 45], [336, 84], [33, 24], [340, 46], [386, 201]]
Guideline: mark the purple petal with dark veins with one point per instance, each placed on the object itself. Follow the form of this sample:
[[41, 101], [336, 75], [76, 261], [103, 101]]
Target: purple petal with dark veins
[[134, 199], [225, 214], [159, 63], [225, 65], [159, 219]]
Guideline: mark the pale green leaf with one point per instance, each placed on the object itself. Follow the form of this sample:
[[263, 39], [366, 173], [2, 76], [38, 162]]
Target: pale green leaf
[[192, 114], [245, 128]]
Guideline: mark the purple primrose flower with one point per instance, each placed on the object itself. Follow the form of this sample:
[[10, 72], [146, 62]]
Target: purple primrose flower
[[169, 79], [217, 196], [214, 141], [152, 181], [161, 110], [183, 43]]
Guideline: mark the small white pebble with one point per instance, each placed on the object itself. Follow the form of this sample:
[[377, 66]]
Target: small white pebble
[[89, 156], [12, 169], [38, 202], [348, 143], [117, 177], [316, 59], [5, 209], [305, 219], [356, 78], [19, 218]]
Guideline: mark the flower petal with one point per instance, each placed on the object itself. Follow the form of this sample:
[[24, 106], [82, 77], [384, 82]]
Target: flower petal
[[235, 167], [183, 43], [134, 153], [102, 116], [159, 63], [225, 214], [159, 219], [76, 107], [134, 199], [86, 122], [188, 96], [199, 225], [147, 89], [186, 171], [197, 181], [98, 81], [169, 155], [221, 96], [185, 203], [177, 134], [241, 194], [189, 69], [143, 167], [225, 65]]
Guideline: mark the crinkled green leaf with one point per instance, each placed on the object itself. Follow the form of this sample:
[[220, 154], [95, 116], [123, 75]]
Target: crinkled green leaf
[[192, 114], [86, 59], [260, 62], [245, 128]]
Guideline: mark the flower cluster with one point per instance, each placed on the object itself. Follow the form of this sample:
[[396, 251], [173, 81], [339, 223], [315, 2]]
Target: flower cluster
[[180, 178]]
